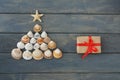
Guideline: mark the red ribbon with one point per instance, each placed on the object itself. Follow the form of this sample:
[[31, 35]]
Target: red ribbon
[[91, 46]]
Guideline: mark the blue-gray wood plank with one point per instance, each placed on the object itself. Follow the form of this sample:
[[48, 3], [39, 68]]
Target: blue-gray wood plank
[[64, 20]]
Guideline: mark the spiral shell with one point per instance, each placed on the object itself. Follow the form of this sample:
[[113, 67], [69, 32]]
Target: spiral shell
[[30, 34], [37, 28], [20, 45], [43, 34], [48, 54], [36, 35], [37, 54], [16, 53], [27, 55], [25, 39], [28, 46], [47, 40], [39, 40], [36, 46], [51, 45], [33, 40], [43, 47], [57, 53]]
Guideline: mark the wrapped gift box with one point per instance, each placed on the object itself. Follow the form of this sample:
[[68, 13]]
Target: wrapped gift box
[[88, 44]]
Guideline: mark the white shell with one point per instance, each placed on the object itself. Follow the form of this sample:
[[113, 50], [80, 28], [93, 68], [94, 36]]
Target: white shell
[[48, 53], [30, 34], [37, 35], [43, 34], [20, 45], [33, 40], [43, 46], [36, 46], [57, 51], [28, 46], [27, 55], [37, 54], [16, 53]]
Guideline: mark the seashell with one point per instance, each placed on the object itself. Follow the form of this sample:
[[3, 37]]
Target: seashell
[[33, 40], [30, 34], [43, 46], [37, 35], [37, 28], [20, 45], [48, 54], [39, 40], [47, 40], [57, 53], [36, 46], [25, 39], [16, 53], [27, 55], [43, 34], [51, 45], [37, 54], [28, 46]]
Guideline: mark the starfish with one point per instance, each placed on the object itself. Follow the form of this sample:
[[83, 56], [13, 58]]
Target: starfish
[[37, 16]]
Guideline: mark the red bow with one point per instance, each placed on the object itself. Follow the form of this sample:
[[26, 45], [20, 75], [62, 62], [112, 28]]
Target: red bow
[[91, 46]]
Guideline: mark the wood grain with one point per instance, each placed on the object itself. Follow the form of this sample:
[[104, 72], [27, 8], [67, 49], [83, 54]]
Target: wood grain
[[62, 23], [70, 63], [60, 6], [66, 42]]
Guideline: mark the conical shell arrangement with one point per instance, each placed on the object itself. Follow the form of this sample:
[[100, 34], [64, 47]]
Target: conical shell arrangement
[[36, 45]]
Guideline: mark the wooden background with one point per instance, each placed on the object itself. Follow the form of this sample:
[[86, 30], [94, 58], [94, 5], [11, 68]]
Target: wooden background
[[64, 20]]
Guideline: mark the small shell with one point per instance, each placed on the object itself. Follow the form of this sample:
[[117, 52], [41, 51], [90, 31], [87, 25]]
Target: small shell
[[39, 40], [37, 54], [37, 28], [20, 45], [16, 53], [36, 46], [57, 53], [51, 45], [43, 34], [28, 46], [30, 34], [25, 39], [27, 55], [33, 40], [48, 54], [43, 46], [47, 40], [37, 35]]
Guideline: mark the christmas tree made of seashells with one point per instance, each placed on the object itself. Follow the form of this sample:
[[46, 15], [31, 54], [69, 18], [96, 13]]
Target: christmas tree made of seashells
[[36, 45]]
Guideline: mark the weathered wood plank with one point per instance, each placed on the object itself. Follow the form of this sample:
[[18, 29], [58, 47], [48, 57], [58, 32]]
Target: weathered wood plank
[[61, 76], [67, 42], [62, 23], [60, 6], [73, 76], [10, 77], [69, 63]]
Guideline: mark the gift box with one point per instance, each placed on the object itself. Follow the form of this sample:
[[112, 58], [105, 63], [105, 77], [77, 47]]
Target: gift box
[[88, 44]]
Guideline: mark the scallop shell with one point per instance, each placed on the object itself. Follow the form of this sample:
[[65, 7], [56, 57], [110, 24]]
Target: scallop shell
[[28, 46], [20, 45], [47, 40], [37, 54], [36, 35], [51, 45], [43, 46], [33, 40], [43, 34], [37, 28], [39, 40], [16, 53], [25, 39], [27, 55], [48, 54], [57, 53], [30, 34], [36, 46]]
